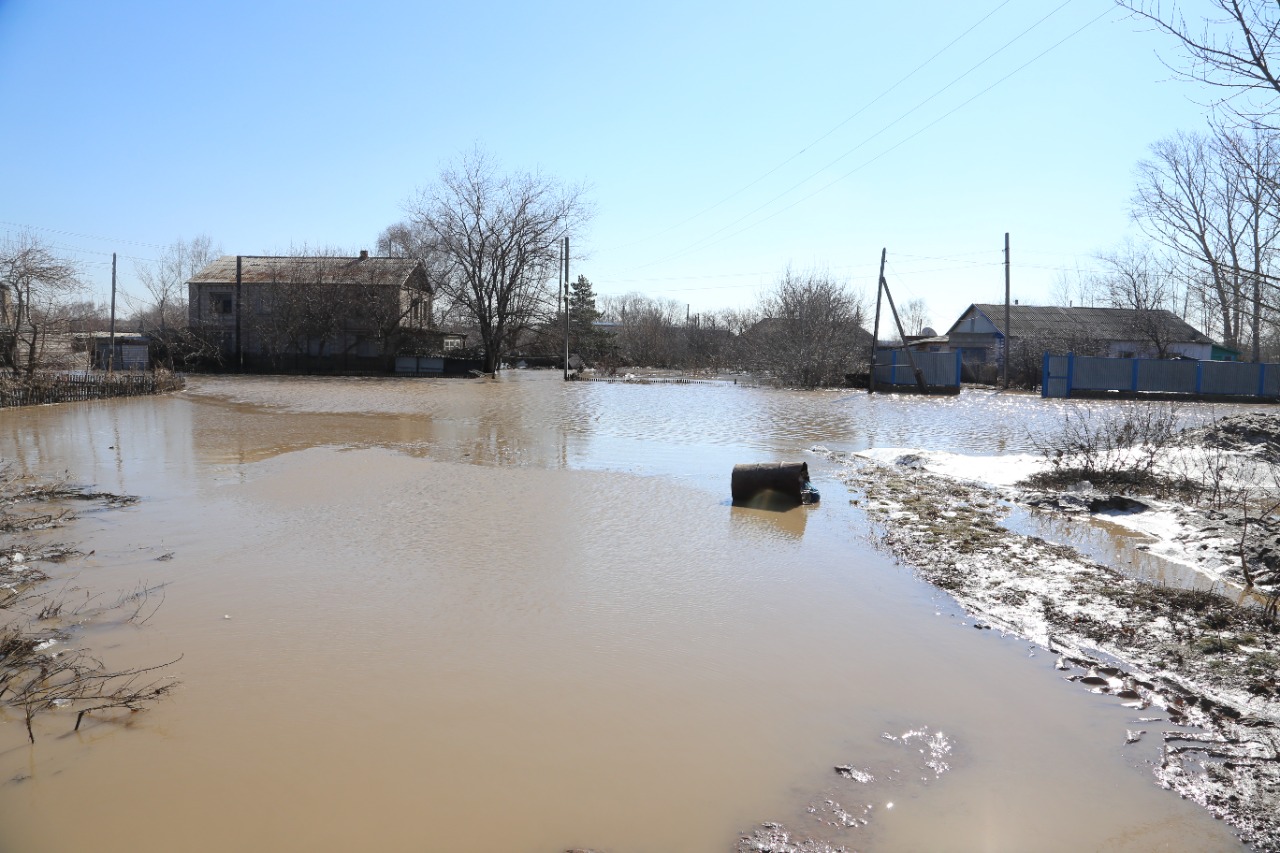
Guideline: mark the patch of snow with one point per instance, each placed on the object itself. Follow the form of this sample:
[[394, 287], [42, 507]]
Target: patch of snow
[[989, 470]]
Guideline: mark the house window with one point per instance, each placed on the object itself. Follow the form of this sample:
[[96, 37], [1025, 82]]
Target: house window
[[220, 303], [452, 343]]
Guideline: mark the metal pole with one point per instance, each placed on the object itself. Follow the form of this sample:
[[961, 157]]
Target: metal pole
[[1008, 339], [239, 283], [875, 329], [566, 307], [111, 359]]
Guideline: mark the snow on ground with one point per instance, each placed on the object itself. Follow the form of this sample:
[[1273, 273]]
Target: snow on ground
[[986, 470], [1205, 667], [1174, 532]]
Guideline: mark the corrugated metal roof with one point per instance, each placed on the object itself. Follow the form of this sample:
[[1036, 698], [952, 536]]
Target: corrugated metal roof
[[329, 270], [1107, 324]]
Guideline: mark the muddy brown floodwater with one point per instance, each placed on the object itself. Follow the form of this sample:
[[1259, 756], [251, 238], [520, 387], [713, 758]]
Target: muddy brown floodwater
[[520, 615]]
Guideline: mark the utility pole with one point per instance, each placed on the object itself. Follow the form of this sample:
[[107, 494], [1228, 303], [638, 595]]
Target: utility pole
[[566, 307], [239, 293], [902, 335], [1008, 338], [111, 359], [875, 333]]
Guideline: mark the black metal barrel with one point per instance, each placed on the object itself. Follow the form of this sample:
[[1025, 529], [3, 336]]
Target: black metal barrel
[[787, 479]]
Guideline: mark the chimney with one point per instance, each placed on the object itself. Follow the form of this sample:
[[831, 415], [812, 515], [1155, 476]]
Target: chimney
[[364, 254]]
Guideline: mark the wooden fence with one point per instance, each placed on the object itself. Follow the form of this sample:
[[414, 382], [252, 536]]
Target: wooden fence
[[74, 387]]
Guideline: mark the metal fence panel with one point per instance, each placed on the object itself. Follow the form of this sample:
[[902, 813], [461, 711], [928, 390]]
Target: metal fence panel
[[1271, 380], [1056, 381], [1103, 374], [1230, 378], [1177, 376], [413, 365], [1061, 375], [938, 368]]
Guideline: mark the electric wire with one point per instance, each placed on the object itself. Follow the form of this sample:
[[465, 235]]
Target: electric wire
[[821, 138], [702, 244], [709, 240]]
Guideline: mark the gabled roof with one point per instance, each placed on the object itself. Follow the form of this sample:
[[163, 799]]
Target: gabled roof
[[319, 269], [1105, 324]]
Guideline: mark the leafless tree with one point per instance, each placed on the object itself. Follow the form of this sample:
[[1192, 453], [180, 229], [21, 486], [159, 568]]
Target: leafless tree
[[1076, 288], [812, 333], [1250, 161], [649, 332], [1231, 49], [1138, 278], [410, 240], [162, 307], [1197, 200], [494, 239], [915, 315], [1026, 353], [37, 289], [300, 309]]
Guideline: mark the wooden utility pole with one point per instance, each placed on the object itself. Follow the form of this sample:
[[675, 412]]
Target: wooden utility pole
[[875, 329], [566, 307], [239, 300], [902, 335], [111, 359], [1008, 338]]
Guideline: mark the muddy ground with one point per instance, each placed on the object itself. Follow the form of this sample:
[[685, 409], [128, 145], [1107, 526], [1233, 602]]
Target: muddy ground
[[43, 676], [1200, 671]]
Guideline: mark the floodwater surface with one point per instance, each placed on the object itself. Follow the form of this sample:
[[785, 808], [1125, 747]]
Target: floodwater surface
[[521, 615]]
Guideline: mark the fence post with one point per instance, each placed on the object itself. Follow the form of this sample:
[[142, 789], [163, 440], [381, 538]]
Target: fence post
[[1262, 378], [1044, 376], [1071, 373], [1199, 377], [959, 368], [1135, 375]]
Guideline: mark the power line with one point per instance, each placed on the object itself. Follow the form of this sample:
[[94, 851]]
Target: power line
[[824, 136], [919, 105], [704, 244], [81, 236]]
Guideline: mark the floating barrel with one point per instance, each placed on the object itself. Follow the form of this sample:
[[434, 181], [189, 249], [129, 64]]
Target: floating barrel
[[787, 479]]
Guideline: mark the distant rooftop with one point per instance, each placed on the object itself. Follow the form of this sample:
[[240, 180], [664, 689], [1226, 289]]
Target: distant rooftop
[[1108, 324], [327, 269]]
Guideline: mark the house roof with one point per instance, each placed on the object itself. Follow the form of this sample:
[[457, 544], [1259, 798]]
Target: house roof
[[1107, 324], [324, 269]]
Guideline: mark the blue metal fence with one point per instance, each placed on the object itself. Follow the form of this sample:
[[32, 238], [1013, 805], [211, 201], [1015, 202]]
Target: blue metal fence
[[940, 369], [1064, 374]]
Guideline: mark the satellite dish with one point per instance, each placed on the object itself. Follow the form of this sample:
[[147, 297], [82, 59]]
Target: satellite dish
[[928, 332]]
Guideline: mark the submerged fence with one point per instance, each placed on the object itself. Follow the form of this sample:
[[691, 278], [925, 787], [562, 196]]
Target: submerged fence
[[941, 370], [74, 387], [1064, 375], [422, 365]]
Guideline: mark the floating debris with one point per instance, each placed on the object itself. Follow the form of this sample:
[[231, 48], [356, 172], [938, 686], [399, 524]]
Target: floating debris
[[850, 772]]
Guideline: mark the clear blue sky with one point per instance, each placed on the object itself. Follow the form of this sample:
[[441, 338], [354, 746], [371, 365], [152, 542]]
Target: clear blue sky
[[722, 141]]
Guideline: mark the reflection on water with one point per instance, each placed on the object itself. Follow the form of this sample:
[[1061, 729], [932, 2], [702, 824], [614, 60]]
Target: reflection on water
[[1121, 548], [786, 520], [520, 615]]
